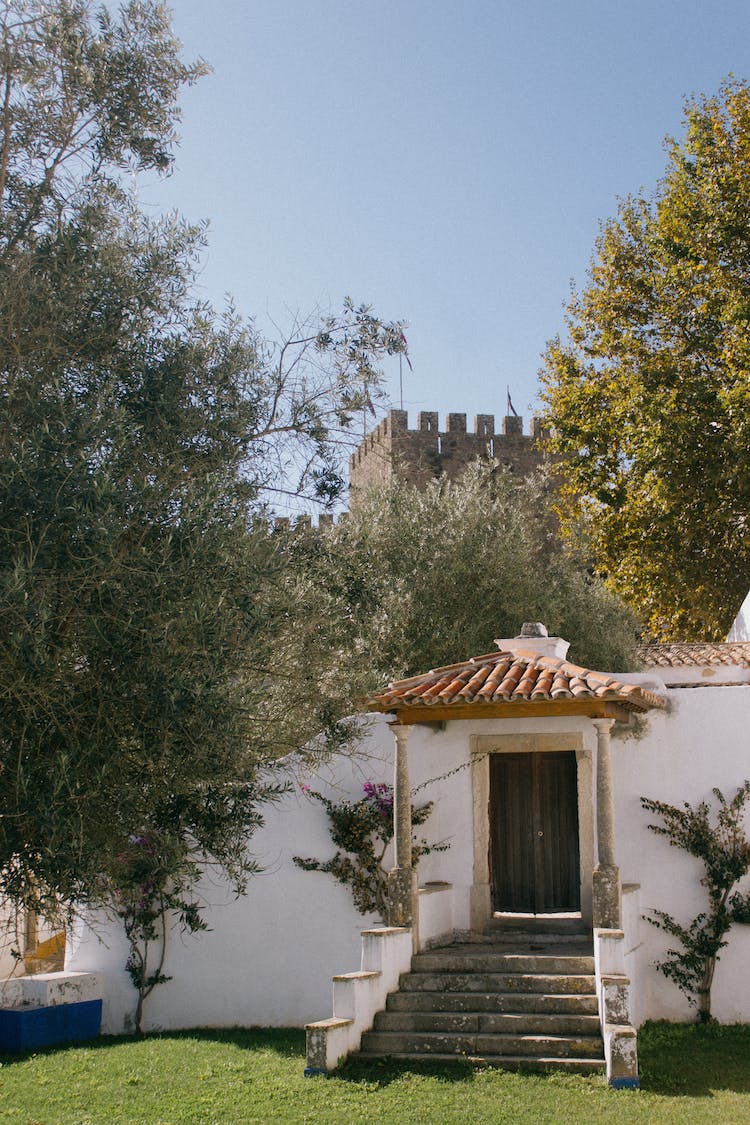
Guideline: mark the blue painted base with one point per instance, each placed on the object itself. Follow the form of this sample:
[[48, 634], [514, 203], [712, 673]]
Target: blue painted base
[[25, 1029], [625, 1083], [314, 1071]]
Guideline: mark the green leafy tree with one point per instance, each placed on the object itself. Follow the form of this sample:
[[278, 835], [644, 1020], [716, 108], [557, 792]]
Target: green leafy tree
[[416, 579], [724, 851], [650, 395], [146, 676]]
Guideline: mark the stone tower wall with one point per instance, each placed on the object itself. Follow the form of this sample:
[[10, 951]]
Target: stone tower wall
[[416, 457]]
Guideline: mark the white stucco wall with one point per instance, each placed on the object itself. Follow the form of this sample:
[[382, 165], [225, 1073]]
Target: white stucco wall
[[702, 743], [269, 957]]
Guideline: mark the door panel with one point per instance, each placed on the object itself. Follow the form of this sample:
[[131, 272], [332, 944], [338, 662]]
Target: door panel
[[512, 831], [557, 863], [534, 832]]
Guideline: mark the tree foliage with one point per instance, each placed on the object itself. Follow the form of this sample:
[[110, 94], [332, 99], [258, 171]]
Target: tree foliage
[[650, 395], [416, 579], [724, 851], [145, 674]]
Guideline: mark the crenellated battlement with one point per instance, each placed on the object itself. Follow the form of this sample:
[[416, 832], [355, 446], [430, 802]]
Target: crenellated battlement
[[418, 456], [324, 521]]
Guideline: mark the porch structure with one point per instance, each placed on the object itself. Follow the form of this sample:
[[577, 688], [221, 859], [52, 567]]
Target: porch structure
[[543, 826]]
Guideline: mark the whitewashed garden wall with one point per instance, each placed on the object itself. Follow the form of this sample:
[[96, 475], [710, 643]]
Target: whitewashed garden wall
[[268, 957]]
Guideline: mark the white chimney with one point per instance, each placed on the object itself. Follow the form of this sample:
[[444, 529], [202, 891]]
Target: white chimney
[[533, 638]]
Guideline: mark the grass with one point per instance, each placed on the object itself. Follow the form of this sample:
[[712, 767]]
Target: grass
[[688, 1074]]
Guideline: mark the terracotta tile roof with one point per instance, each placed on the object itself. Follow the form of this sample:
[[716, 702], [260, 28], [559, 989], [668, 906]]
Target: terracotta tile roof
[[515, 676], [726, 653]]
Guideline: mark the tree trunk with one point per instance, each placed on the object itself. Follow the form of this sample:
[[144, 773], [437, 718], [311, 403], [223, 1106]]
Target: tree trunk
[[704, 992]]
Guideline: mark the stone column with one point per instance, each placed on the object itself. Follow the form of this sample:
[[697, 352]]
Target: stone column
[[607, 890], [402, 879]]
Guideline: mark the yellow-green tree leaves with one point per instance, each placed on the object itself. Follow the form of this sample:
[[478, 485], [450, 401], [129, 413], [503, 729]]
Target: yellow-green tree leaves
[[649, 396]]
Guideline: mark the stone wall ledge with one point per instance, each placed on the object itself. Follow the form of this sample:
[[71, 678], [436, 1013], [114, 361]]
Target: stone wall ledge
[[46, 990], [357, 996]]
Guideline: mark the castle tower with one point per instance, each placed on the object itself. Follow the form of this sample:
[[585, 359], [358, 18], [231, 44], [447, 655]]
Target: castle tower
[[392, 450]]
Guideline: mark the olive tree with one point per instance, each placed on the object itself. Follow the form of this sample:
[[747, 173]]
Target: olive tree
[[415, 579], [145, 680]]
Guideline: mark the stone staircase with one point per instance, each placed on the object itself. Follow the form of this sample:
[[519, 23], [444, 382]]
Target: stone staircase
[[517, 999]]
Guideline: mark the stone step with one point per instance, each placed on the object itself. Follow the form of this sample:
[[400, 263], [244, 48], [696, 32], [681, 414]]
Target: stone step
[[523, 937], [536, 1002], [528, 1023], [555, 925], [580, 984], [456, 1043], [554, 943], [504, 1062], [472, 960]]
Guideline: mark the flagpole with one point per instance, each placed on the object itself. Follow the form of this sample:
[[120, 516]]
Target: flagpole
[[403, 352]]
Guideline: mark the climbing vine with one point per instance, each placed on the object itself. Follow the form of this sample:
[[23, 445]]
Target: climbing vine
[[362, 831], [149, 886], [724, 850]]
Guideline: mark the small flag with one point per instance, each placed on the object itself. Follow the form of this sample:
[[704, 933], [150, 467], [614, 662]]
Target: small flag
[[511, 408], [405, 352]]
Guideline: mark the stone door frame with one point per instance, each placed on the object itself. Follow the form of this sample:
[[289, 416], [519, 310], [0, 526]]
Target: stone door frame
[[482, 746]]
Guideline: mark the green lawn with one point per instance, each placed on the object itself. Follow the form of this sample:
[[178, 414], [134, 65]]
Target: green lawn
[[689, 1074]]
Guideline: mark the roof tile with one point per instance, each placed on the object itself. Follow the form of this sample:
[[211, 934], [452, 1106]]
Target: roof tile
[[470, 690], [512, 677], [712, 654]]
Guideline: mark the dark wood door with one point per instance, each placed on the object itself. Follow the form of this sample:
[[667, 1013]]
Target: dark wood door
[[534, 832]]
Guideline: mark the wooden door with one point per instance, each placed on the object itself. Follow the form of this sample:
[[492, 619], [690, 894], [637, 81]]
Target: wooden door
[[534, 832]]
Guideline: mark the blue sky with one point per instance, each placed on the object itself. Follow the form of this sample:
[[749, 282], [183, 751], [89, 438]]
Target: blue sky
[[448, 163]]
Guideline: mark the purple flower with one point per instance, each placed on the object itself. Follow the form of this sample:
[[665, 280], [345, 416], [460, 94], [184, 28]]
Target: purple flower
[[380, 796]]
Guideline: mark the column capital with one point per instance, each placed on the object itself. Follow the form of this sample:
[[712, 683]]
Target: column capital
[[401, 732], [604, 724]]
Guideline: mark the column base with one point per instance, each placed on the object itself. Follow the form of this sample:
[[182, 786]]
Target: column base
[[480, 906], [607, 897], [402, 896]]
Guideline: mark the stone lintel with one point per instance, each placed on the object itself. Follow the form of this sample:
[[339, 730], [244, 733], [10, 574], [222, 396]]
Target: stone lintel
[[358, 974], [611, 935], [384, 931]]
